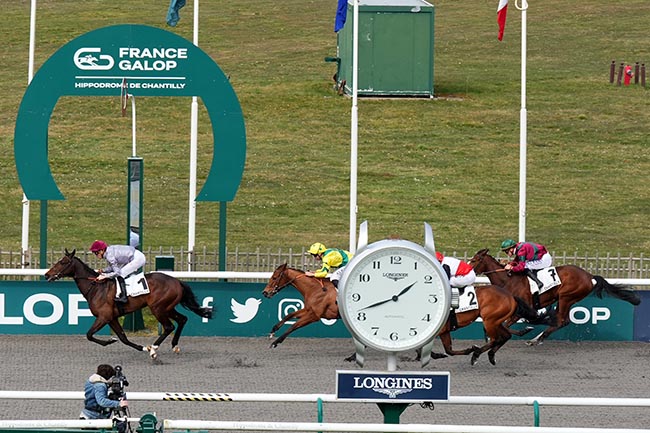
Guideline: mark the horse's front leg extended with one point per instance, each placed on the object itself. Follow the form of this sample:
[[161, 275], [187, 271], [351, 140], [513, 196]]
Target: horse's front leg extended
[[117, 328], [304, 320], [284, 320], [97, 325]]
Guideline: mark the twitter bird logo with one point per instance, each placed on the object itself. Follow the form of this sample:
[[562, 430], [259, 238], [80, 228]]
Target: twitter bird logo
[[244, 312]]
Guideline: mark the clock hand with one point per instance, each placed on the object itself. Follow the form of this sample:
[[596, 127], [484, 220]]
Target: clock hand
[[404, 290], [378, 303], [392, 298]]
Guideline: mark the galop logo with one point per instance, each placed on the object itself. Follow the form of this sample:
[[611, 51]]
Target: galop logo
[[85, 60]]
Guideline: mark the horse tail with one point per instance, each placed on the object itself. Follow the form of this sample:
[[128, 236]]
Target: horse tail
[[620, 291], [525, 311], [189, 301]]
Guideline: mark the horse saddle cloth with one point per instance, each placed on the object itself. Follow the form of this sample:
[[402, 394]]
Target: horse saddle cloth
[[136, 284], [549, 278], [467, 299]]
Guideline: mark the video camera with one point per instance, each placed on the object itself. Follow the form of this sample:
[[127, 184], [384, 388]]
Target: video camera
[[116, 385]]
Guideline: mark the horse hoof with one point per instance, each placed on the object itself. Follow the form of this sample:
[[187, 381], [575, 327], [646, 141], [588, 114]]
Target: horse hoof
[[271, 335], [176, 349], [473, 360]]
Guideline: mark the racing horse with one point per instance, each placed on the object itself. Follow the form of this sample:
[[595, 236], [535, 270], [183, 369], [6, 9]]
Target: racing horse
[[576, 284], [495, 306], [319, 303], [165, 293]]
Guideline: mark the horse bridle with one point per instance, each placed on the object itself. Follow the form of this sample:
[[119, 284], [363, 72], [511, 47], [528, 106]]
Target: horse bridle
[[60, 273]]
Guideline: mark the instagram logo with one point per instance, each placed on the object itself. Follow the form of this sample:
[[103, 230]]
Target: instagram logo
[[288, 306]]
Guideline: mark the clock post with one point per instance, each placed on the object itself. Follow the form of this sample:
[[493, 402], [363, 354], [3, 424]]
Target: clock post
[[393, 297]]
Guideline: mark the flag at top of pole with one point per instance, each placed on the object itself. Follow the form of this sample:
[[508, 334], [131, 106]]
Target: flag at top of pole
[[502, 10], [341, 15]]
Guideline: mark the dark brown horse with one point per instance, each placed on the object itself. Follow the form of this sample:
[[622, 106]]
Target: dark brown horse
[[576, 285], [319, 303], [165, 293], [495, 306]]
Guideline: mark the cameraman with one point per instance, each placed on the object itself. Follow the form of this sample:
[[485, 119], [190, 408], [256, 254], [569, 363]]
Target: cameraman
[[97, 405]]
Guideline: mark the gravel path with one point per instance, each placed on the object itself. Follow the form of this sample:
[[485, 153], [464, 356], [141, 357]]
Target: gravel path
[[247, 365]]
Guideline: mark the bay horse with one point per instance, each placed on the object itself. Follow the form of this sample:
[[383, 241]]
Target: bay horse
[[496, 307], [576, 285], [319, 303], [165, 293]]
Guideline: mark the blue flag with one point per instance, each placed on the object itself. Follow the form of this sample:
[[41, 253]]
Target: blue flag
[[341, 15], [172, 13]]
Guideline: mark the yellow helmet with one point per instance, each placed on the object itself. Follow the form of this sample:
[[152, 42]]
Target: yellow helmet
[[317, 248]]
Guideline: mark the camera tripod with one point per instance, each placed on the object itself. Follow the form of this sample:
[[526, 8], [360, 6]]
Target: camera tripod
[[120, 416]]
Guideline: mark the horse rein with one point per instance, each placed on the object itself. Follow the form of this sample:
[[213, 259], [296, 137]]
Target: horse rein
[[279, 287]]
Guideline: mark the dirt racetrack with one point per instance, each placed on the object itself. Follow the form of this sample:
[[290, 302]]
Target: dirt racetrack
[[247, 365]]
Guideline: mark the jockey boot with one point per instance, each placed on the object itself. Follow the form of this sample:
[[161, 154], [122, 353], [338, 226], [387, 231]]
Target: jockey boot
[[533, 274], [453, 321], [121, 288], [537, 306]]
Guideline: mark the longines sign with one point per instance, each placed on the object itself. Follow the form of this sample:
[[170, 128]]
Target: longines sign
[[392, 387]]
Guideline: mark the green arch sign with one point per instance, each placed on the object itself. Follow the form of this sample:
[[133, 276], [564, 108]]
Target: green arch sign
[[154, 62]]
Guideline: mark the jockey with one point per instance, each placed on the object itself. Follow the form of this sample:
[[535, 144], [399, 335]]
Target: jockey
[[460, 273], [527, 257], [331, 258], [123, 260]]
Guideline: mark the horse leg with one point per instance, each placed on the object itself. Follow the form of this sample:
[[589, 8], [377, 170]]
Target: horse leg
[[560, 320], [499, 335], [168, 328], [445, 339], [520, 332], [284, 320], [303, 321], [504, 336], [96, 326], [117, 328], [181, 320]]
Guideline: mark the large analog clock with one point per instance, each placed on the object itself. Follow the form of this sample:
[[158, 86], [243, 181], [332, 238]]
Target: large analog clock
[[394, 296]]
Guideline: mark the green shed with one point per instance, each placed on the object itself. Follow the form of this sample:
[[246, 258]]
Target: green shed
[[395, 48]]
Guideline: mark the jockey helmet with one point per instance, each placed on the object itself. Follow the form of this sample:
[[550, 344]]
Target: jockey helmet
[[98, 246], [507, 244], [317, 248], [439, 256]]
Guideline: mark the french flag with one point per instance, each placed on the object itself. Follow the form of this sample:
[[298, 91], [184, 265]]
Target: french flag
[[502, 10]]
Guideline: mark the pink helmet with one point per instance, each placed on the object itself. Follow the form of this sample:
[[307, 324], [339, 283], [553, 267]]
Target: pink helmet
[[98, 245], [439, 256]]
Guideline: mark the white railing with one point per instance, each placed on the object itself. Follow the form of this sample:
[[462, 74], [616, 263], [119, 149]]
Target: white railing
[[319, 426], [384, 428], [216, 275]]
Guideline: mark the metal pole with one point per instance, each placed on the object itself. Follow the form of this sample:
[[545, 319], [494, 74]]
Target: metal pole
[[194, 122], [523, 124], [24, 243], [354, 134], [134, 151]]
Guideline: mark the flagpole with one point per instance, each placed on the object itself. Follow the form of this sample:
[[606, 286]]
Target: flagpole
[[354, 134], [523, 125], [30, 74], [194, 128]]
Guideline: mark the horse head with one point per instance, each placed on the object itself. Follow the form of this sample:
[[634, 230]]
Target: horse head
[[482, 262], [278, 281], [62, 268]]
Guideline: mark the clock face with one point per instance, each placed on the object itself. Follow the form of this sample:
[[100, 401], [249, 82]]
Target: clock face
[[394, 296]]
